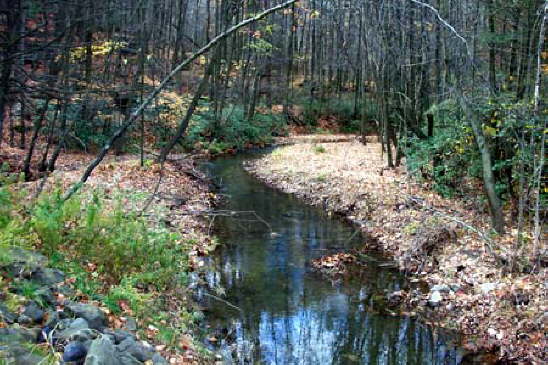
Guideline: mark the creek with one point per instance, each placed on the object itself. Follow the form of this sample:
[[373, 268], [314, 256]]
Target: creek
[[276, 310]]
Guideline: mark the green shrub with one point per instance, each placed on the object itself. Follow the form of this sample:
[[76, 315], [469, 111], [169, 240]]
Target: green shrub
[[233, 130], [451, 154], [83, 230], [319, 149]]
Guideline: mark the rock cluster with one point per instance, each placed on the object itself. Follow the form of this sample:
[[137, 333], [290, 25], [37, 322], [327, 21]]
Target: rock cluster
[[78, 331]]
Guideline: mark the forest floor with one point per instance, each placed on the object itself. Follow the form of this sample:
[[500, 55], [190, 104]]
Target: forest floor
[[441, 242], [180, 201]]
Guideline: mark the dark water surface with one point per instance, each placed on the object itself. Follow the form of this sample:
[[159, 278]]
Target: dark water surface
[[287, 313]]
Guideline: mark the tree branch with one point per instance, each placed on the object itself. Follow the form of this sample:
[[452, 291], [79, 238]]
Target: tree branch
[[445, 23]]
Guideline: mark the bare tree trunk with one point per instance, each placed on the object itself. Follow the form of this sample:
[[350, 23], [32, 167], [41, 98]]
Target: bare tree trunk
[[190, 111], [135, 114], [536, 98], [37, 127], [495, 205]]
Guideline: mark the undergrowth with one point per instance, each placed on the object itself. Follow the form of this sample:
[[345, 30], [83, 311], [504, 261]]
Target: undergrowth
[[232, 130], [110, 253]]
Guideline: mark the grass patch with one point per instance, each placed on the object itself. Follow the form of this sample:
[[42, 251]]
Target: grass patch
[[319, 149]]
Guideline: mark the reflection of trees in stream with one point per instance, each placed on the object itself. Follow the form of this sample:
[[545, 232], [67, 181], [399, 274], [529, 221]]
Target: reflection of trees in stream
[[312, 324], [289, 315]]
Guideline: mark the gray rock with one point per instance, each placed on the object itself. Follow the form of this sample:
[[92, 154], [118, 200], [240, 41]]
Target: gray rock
[[23, 319], [6, 315], [101, 352], [127, 359], [45, 295], [74, 351], [19, 355], [136, 349], [119, 335], [93, 315], [53, 318], [34, 312], [79, 323], [83, 335], [18, 334], [131, 324], [110, 336], [69, 328], [48, 277], [66, 290], [434, 299], [441, 288], [24, 262], [157, 359]]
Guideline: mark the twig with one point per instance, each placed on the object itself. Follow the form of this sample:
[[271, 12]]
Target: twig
[[224, 301], [444, 22], [155, 192], [488, 241]]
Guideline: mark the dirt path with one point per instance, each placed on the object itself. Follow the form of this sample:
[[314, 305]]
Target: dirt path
[[432, 238]]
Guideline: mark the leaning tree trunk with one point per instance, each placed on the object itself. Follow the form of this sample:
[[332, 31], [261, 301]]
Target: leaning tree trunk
[[495, 205]]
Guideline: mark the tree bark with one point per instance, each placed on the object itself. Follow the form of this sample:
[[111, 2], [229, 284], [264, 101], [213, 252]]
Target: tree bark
[[495, 205]]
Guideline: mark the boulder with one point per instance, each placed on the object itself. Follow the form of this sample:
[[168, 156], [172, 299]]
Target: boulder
[[83, 335], [139, 351], [19, 355], [102, 352], [18, 335], [48, 277], [45, 295], [53, 318], [34, 312], [118, 335], [127, 359], [74, 351], [24, 262], [23, 319], [68, 328], [6, 315], [131, 324], [94, 316]]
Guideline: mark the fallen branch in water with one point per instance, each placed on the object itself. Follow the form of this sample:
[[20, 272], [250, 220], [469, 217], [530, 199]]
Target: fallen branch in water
[[223, 301]]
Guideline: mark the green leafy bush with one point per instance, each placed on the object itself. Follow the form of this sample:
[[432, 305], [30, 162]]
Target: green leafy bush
[[119, 242], [232, 130], [446, 158], [451, 154]]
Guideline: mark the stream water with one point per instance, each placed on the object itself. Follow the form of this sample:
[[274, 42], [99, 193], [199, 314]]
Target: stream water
[[276, 310]]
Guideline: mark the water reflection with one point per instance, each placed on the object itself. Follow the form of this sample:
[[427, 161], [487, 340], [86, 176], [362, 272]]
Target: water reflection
[[288, 314]]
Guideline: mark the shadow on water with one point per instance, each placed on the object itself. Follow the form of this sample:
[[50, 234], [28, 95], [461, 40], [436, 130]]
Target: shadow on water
[[287, 313]]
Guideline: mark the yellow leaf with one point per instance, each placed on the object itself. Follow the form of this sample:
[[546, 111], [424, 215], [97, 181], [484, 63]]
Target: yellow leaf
[[490, 131]]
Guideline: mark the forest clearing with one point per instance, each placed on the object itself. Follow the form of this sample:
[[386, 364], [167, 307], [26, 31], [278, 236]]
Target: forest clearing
[[277, 181]]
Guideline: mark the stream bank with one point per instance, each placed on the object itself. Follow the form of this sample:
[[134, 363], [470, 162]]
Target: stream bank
[[64, 297], [467, 290]]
